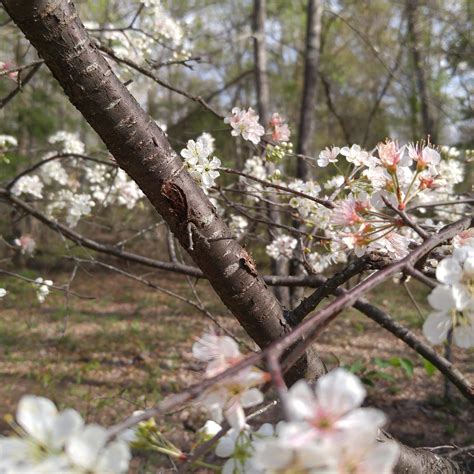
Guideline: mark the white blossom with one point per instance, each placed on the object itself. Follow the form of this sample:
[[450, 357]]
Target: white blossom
[[42, 288], [88, 452], [53, 171], [238, 225], [51, 441], [70, 142], [328, 155], [334, 183], [201, 168], [445, 317], [3, 292], [329, 432], [7, 141], [31, 185], [282, 247], [356, 155], [233, 394], [46, 432], [207, 141], [334, 405], [458, 272]]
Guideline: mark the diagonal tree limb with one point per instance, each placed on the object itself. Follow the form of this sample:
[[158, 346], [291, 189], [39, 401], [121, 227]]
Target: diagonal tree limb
[[140, 148]]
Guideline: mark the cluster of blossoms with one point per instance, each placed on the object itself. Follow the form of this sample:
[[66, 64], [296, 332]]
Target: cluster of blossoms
[[50, 441], [76, 205], [3, 292], [42, 288], [363, 219], [197, 158], [156, 27], [238, 225], [328, 431], [7, 141], [69, 143], [162, 23], [31, 185], [279, 129], [282, 247], [453, 299], [108, 188], [103, 186], [245, 123]]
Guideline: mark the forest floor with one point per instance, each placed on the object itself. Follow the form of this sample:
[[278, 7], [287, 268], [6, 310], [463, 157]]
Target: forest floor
[[130, 346]]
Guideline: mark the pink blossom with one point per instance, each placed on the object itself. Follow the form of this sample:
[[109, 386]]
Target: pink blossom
[[423, 155], [465, 238], [245, 123], [6, 66], [26, 243], [280, 130], [391, 155], [347, 212]]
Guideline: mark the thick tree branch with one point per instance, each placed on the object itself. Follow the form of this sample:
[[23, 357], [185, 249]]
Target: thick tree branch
[[142, 150]]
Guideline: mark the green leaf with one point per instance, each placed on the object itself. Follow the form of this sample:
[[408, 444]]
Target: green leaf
[[356, 367], [407, 366], [381, 362], [395, 361], [430, 369]]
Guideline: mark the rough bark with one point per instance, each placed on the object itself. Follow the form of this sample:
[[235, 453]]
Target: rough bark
[[142, 150], [422, 461], [427, 120], [278, 267]]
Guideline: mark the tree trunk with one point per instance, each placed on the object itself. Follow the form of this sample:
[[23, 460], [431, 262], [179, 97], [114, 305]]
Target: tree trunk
[[307, 121], [427, 120], [309, 98], [278, 266]]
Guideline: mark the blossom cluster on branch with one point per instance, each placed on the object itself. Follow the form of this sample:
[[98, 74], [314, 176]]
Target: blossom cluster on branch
[[327, 430]]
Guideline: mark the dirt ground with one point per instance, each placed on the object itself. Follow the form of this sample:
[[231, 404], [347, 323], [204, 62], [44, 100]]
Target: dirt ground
[[120, 346]]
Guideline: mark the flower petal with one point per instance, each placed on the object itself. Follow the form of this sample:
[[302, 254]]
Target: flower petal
[[436, 327], [339, 392]]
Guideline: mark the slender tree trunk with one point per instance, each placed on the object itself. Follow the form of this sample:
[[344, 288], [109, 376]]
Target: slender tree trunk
[[307, 123], [278, 266], [427, 120], [309, 98]]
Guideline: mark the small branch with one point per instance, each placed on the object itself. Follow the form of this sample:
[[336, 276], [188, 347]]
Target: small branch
[[323, 202], [308, 304]]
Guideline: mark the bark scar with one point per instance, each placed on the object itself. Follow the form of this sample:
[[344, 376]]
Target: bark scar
[[248, 263], [186, 217]]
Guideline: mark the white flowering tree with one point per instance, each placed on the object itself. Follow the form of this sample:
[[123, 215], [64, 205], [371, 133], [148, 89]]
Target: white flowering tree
[[391, 211]]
